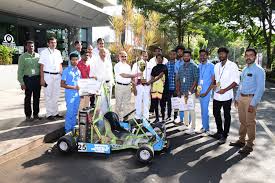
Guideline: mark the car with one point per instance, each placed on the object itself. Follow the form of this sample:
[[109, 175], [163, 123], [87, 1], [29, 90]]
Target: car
[[100, 131]]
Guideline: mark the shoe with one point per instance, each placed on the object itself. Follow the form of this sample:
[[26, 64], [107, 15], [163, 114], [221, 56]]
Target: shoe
[[222, 140], [168, 119], [237, 144], [51, 118], [207, 132], [216, 136], [28, 119], [202, 130], [58, 116], [182, 127], [190, 131], [177, 120], [246, 150], [156, 121], [36, 117]]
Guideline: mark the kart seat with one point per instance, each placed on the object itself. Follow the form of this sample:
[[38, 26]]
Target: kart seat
[[113, 119]]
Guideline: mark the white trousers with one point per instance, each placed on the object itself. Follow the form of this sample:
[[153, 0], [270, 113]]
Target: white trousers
[[123, 99], [142, 101], [192, 114], [52, 93]]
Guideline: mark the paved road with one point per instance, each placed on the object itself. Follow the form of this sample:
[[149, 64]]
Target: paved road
[[191, 159]]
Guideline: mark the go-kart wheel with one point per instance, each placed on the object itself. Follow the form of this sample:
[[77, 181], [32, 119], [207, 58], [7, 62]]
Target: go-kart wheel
[[145, 154], [66, 144], [167, 145]]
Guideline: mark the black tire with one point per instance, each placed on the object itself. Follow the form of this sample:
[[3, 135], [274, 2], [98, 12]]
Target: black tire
[[66, 144], [145, 154], [167, 146]]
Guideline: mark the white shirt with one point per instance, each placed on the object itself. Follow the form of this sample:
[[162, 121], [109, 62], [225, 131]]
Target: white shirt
[[102, 70], [226, 75], [122, 68], [153, 61], [51, 59], [146, 72], [96, 54]]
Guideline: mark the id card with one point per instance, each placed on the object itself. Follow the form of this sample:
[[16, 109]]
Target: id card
[[183, 80], [201, 82], [33, 72]]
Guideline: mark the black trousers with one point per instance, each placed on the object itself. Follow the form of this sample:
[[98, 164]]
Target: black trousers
[[33, 88], [226, 105], [169, 104], [155, 103]]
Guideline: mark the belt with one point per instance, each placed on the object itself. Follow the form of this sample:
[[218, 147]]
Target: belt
[[29, 76], [122, 83], [51, 72], [247, 95]]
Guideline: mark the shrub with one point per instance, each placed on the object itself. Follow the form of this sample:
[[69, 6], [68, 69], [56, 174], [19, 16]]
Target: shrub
[[5, 55]]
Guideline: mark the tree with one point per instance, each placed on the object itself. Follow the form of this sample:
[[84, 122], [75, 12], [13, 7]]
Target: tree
[[180, 13]]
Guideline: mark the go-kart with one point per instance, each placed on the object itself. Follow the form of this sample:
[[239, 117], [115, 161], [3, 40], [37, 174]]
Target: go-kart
[[100, 131]]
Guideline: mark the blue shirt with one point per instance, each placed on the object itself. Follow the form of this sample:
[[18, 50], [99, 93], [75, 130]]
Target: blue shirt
[[180, 63], [71, 75], [171, 75], [252, 82], [206, 73], [187, 75]]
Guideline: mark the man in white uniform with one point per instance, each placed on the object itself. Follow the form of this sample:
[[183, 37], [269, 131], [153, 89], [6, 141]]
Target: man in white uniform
[[50, 70], [123, 75], [100, 46], [102, 70], [142, 90], [153, 61]]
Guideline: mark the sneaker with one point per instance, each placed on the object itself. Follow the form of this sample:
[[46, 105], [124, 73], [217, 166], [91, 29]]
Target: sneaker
[[177, 120], [58, 116], [156, 121], [208, 133], [202, 130], [28, 119], [182, 127], [237, 144], [246, 150], [222, 140], [36, 117], [216, 136], [190, 131], [168, 119], [51, 118]]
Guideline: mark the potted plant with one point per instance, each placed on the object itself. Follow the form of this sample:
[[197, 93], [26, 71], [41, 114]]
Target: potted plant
[[5, 55]]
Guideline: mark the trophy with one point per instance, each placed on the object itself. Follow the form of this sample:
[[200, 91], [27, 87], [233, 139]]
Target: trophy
[[199, 88], [142, 66]]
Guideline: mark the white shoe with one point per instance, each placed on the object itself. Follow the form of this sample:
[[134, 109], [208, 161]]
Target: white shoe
[[190, 131], [201, 131], [182, 128], [177, 120]]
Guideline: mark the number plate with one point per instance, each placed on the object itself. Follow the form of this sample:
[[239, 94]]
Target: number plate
[[97, 148]]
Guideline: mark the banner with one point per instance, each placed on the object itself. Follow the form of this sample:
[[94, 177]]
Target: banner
[[88, 86]]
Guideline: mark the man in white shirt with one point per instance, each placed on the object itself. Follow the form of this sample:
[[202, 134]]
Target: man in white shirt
[[123, 75], [142, 90], [102, 70], [226, 78], [100, 46], [50, 71], [153, 61]]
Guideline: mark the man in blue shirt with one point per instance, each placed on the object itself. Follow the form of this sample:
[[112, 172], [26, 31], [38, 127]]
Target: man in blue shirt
[[172, 83], [249, 94], [69, 81], [187, 79], [204, 89]]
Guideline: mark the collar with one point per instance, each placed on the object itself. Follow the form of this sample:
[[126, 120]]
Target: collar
[[252, 65]]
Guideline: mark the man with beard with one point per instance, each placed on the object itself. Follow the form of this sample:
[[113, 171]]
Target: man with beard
[[226, 78], [249, 94]]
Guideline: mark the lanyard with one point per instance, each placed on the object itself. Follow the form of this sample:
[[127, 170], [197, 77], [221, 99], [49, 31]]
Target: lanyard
[[202, 72], [220, 72]]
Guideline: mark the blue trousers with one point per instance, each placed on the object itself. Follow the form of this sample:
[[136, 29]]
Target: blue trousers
[[72, 103], [204, 101]]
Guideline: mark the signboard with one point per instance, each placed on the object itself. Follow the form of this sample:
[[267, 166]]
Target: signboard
[[9, 41], [88, 86], [97, 148]]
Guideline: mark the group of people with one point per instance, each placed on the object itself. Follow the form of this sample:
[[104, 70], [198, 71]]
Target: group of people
[[154, 82]]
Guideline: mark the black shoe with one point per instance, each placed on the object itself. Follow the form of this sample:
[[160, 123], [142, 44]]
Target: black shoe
[[222, 140], [216, 136], [58, 116], [51, 118], [36, 117], [156, 121], [246, 150], [28, 119], [237, 144]]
